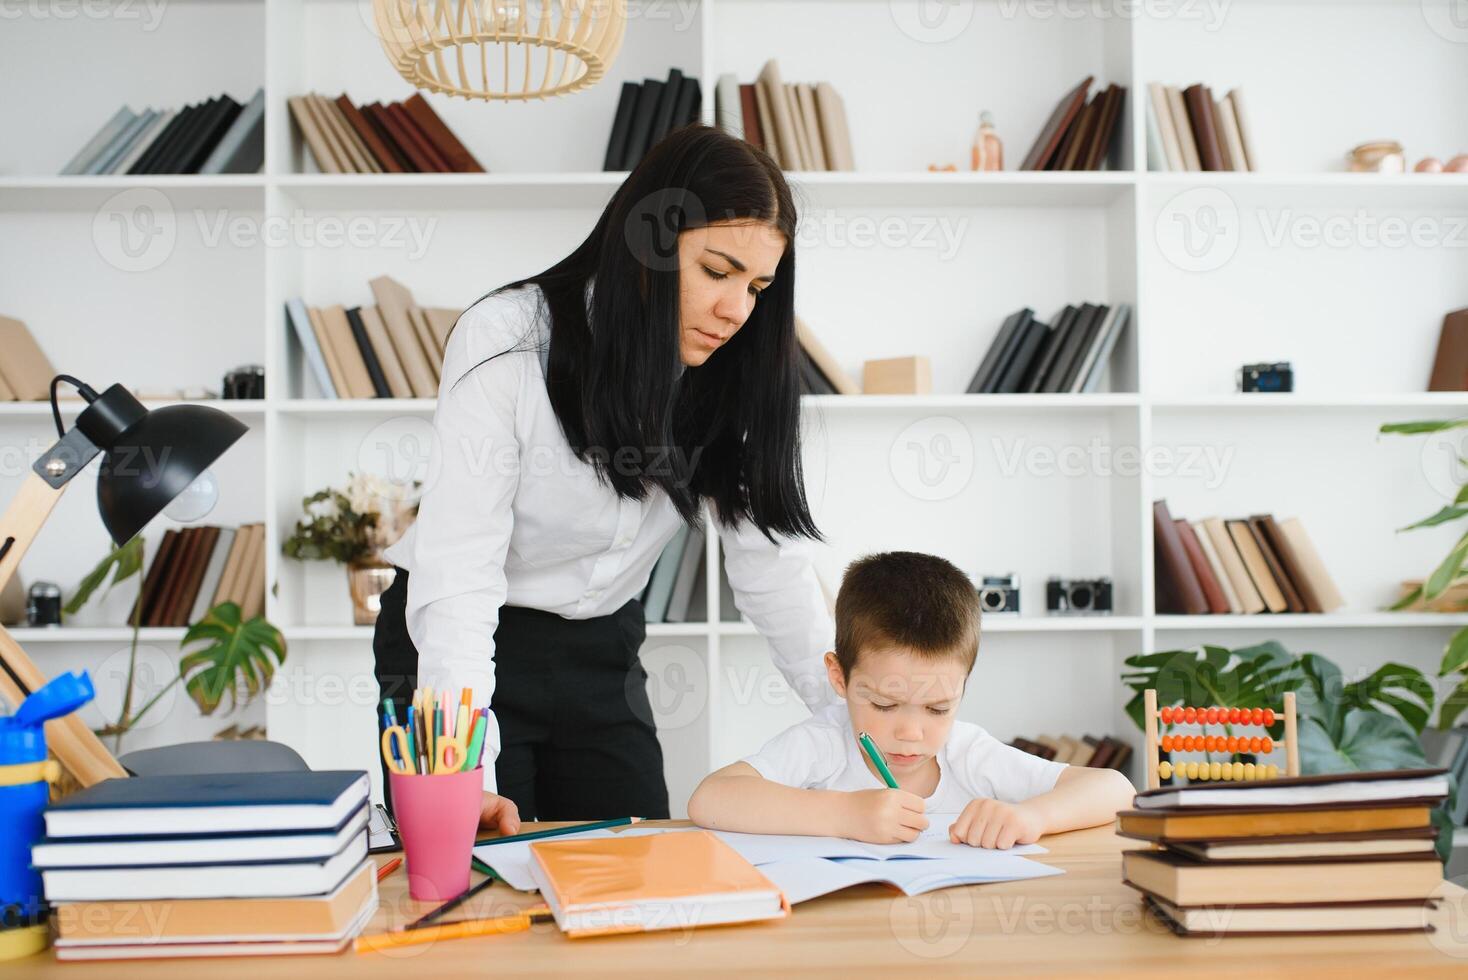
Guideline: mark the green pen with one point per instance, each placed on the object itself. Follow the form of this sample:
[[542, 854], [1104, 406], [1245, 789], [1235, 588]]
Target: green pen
[[476, 743], [875, 754]]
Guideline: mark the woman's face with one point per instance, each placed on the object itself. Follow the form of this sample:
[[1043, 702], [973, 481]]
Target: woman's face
[[721, 270]]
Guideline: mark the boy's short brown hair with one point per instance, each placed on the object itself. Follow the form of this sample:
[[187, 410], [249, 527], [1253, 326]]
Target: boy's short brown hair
[[905, 599]]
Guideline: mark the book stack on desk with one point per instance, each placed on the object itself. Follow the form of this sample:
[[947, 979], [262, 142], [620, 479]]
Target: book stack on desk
[[1353, 852], [209, 865]]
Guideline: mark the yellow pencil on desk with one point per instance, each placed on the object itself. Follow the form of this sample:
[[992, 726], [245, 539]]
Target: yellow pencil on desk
[[516, 922]]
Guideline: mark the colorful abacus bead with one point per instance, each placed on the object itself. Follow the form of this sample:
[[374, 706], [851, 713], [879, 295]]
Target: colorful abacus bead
[[1190, 715], [1273, 772], [1268, 717], [1266, 745], [1233, 716], [1164, 769]]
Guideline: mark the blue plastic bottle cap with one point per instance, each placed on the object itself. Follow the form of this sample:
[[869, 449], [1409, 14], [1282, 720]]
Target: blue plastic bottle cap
[[22, 735]]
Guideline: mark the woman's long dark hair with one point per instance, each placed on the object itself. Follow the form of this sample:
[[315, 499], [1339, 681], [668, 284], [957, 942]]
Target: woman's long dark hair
[[727, 431]]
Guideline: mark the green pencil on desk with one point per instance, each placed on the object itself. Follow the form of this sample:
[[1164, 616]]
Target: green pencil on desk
[[875, 755]]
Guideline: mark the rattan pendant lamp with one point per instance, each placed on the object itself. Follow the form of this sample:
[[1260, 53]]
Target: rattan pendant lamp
[[501, 49]]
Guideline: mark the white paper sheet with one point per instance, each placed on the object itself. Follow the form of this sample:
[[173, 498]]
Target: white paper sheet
[[802, 879]]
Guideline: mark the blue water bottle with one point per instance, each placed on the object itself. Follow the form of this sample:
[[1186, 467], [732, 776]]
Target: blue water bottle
[[25, 775]]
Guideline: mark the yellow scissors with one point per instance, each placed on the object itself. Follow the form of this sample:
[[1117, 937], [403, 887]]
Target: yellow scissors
[[397, 736], [449, 753]]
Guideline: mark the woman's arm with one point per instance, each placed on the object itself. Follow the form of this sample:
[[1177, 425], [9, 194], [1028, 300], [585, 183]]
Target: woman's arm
[[738, 798]]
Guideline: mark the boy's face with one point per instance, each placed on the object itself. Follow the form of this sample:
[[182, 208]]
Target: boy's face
[[905, 702]]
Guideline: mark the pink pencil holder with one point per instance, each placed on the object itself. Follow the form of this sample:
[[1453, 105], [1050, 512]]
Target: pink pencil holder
[[437, 818]]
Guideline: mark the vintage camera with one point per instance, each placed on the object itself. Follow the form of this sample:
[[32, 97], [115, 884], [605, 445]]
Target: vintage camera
[[1078, 596], [245, 381], [999, 594], [1266, 377]]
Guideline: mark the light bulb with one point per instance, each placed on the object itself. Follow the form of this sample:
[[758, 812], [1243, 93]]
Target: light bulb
[[195, 502]]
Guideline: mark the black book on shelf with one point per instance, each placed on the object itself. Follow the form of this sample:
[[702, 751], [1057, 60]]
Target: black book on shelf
[[167, 162], [813, 380], [662, 118], [369, 356], [647, 104], [1035, 377], [993, 361], [1072, 350], [690, 99], [215, 125], [1012, 340], [162, 140], [241, 149], [1025, 352], [621, 125], [1093, 336]]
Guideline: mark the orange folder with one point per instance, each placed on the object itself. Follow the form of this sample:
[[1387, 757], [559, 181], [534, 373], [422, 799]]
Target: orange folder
[[673, 880]]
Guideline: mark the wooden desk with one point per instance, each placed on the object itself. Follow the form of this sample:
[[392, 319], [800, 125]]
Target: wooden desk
[[1082, 923]]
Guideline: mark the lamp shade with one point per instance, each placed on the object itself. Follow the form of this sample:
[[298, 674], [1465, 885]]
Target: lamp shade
[[149, 458]]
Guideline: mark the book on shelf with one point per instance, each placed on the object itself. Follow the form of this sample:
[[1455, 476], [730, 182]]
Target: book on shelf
[[1079, 134], [801, 125], [393, 349], [198, 567], [1450, 363], [399, 137], [1348, 852], [1068, 355], [215, 136], [646, 112], [1238, 566], [25, 371], [827, 373], [675, 591], [1104, 752], [1188, 129]]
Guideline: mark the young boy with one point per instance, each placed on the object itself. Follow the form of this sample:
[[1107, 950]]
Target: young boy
[[907, 634]]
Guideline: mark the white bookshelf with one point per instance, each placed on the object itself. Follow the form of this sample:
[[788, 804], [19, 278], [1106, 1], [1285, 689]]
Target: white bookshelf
[[1358, 320]]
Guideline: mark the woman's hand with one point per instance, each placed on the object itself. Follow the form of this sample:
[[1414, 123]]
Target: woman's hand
[[499, 813]]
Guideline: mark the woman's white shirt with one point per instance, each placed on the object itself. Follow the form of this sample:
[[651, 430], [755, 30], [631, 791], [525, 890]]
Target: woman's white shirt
[[509, 515]]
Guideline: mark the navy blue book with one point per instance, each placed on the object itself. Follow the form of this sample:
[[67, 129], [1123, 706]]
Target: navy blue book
[[155, 806]]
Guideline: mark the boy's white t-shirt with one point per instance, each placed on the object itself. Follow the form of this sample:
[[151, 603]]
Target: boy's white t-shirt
[[822, 753]]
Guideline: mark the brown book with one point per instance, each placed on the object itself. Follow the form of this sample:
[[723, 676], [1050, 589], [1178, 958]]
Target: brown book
[[1216, 565], [1293, 602], [387, 354], [1081, 752], [23, 364], [408, 129], [460, 160], [442, 320], [1304, 847], [1182, 881], [244, 579], [1187, 143], [148, 594], [193, 576], [1101, 142], [1212, 591], [749, 112], [1200, 112], [1101, 758], [386, 158], [408, 143], [1233, 566], [224, 591], [1077, 135], [172, 577], [1450, 366], [1178, 588], [7, 394], [1293, 568], [377, 117], [1164, 826], [428, 340], [328, 353], [1254, 563], [314, 134], [393, 303], [349, 355], [254, 582], [350, 150], [1047, 143], [1290, 920], [1310, 564]]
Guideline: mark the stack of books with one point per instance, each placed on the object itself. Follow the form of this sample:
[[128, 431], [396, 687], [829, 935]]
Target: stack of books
[[399, 137], [198, 567], [647, 112], [1079, 135], [801, 125], [1352, 852], [1068, 355], [209, 865], [1087, 750], [217, 136], [1187, 129], [1244, 565], [391, 350]]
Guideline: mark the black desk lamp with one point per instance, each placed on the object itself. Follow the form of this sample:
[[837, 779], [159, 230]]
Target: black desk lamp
[[148, 459]]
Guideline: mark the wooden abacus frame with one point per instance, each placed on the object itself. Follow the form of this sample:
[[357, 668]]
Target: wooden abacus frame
[[1215, 715]]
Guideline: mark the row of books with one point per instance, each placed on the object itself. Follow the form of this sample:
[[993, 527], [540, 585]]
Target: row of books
[[675, 590], [1187, 129], [801, 125], [198, 567], [1068, 355], [399, 137], [1343, 853], [1079, 135], [1088, 750], [393, 349], [1245, 565], [648, 111], [209, 865], [217, 136]]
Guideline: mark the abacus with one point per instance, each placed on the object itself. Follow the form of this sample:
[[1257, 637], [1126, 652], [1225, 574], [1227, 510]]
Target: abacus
[[1226, 771]]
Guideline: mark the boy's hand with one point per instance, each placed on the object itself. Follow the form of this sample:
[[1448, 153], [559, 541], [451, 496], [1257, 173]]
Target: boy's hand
[[990, 823], [499, 813], [884, 816]]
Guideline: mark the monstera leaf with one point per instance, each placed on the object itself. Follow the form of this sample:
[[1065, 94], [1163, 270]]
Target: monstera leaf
[[122, 561], [1367, 740], [234, 656], [1327, 699], [1250, 677]]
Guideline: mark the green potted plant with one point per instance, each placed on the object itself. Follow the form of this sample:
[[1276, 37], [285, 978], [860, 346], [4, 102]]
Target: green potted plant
[[224, 655], [352, 526]]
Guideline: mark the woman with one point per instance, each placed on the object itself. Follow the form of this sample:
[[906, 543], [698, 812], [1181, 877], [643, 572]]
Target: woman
[[584, 415]]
